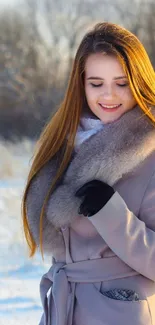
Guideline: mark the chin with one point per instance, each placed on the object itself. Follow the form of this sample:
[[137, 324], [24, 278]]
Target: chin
[[111, 119]]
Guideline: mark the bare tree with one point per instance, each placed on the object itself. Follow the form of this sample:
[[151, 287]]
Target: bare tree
[[67, 22], [144, 26]]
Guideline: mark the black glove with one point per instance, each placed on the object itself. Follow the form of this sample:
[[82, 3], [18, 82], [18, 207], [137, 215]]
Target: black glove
[[96, 195]]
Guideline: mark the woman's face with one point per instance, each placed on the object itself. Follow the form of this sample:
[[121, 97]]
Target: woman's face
[[106, 87]]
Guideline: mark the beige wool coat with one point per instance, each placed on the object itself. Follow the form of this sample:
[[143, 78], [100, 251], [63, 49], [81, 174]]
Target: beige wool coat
[[115, 248]]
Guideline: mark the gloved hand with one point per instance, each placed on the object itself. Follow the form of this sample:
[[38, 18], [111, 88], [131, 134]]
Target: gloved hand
[[96, 194]]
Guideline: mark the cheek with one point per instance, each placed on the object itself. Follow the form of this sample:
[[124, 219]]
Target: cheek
[[86, 92], [126, 94], [89, 94], [92, 93]]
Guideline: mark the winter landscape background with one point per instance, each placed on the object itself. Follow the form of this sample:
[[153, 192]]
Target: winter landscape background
[[19, 275]]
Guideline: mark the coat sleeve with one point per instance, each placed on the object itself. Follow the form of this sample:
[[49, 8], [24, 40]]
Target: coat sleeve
[[127, 235]]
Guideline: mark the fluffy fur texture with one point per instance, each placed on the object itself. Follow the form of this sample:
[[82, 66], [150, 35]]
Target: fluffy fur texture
[[113, 151]]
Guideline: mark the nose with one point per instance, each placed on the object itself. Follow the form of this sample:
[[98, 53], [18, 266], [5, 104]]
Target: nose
[[108, 92]]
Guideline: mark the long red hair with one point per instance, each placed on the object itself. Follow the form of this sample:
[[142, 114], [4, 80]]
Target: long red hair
[[104, 37]]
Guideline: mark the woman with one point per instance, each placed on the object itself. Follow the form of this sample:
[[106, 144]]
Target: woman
[[90, 196]]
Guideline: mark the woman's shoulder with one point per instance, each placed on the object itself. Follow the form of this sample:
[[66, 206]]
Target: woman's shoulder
[[145, 170], [148, 165], [133, 186]]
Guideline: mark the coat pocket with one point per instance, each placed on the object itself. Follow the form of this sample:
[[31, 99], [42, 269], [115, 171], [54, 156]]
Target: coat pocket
[[122, 294], [134, 312], [106, 311]]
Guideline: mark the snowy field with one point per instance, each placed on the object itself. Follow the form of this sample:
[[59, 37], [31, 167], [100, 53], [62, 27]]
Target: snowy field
[[19, 275]]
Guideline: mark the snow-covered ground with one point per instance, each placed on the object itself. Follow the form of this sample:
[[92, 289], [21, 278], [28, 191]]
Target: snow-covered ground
[[19, 275]]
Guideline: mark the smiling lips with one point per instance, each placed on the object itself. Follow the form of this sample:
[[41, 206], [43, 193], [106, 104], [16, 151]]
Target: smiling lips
[[110, 107]]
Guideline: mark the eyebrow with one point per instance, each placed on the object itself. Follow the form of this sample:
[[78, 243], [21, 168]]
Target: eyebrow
[[98, 78]]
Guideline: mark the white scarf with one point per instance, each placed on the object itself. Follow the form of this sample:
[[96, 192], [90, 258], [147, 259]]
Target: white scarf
[[87, 127]]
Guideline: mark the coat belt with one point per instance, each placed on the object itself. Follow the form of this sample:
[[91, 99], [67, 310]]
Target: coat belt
[[61, 280]]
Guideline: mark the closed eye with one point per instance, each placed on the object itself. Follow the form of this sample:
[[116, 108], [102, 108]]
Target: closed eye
[[122, 85], [94, 85]]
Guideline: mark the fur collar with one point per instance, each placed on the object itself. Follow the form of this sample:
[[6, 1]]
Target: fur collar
[[108, 155]]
